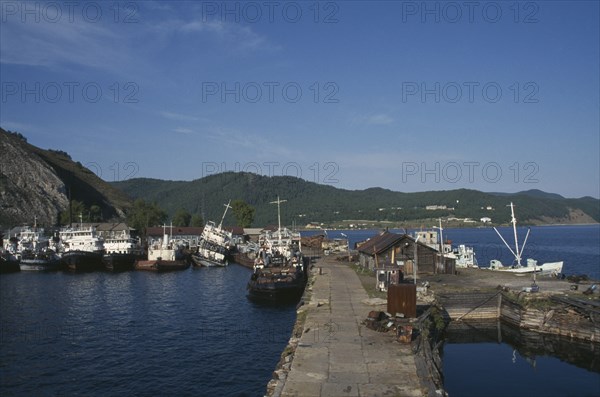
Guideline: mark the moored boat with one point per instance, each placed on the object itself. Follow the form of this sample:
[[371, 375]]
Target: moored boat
[[121, 253], [83, 249], [280, 270], [163, 256]]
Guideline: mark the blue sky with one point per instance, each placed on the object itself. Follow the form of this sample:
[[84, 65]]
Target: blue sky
[[409, 96]]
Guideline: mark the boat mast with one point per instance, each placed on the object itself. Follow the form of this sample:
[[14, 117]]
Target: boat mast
[[227, 206], [514, 222], [278, 202]]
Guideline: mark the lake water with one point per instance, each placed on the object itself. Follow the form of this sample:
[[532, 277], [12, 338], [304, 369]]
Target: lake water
[[577, 246], [195, 333], [137, 334]]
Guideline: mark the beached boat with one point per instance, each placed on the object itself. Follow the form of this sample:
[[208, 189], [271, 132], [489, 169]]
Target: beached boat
[[531, 266], [214, 244], [164, 256], [280, 269]]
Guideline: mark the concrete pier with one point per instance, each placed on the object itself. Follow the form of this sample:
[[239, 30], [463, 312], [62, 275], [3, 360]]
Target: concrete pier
[[337, 355]]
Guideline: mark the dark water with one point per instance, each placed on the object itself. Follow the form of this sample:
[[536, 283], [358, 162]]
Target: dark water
[[505, 361], [577, 246], [137, 333]]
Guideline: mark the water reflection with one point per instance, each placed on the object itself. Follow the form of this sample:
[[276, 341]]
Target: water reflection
[[496, 359]]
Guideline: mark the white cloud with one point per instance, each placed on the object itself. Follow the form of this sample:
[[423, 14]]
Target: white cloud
[[373, 119], [178, 116]]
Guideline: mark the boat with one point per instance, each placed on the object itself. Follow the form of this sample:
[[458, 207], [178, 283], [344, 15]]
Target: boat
[[517, 267], [214, 244], [280, 270], [121, 252], [9, 263], [462, 255], [32, 250], [164, 256], [82, 248]]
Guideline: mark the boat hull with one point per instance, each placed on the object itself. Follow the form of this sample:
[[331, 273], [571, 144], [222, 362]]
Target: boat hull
[[161, 266], [545, 268], [276, 285], [199, 260], [9, 265], [40, 265], [119, 262], [82, 261]]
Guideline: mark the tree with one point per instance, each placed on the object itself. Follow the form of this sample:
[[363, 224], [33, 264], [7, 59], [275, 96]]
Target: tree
[[77, 208], [142, 215], [243, 213], [197, 220], [182, 217]]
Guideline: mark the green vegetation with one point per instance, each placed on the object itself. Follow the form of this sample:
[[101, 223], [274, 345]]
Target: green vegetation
[[197, 221], [79, 212], [308, 201], [243, 213], [182, 217], [143, 215]]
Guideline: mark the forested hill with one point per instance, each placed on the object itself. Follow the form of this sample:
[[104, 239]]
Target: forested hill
[[311, 202]]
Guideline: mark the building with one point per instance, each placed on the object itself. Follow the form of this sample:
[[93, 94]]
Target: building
[[486, 219], [391, 249]]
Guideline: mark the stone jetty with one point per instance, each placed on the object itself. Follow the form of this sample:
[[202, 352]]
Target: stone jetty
[[336, 355]]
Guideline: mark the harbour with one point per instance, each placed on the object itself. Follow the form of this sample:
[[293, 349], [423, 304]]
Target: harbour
[[162, 329]]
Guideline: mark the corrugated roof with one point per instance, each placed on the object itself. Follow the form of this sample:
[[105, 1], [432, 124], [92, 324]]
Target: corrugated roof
[[380, 243], [386, 240]]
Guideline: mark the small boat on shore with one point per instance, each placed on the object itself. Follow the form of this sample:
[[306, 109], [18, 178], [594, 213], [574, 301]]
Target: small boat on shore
[[531, 266]]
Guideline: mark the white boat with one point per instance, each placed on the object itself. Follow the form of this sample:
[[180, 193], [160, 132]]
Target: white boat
[[33, 252], [83, 249], [463, 256], [164, 255], [121, 252], [214, 244], [517, 267]]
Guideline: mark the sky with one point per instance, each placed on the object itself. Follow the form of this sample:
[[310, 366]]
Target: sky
[[498, 96]]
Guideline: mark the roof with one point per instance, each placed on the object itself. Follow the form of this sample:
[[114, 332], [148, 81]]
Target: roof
[[235, 230], [380, 243], [177, 231], [386, 240]]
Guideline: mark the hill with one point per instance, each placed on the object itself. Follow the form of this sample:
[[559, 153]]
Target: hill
[[308, 201], [37, 183]]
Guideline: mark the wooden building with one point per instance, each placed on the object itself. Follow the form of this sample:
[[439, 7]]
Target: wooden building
[[392, 249]]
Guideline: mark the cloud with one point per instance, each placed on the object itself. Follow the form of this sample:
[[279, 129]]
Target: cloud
[[236, 35], [178, 116], [62, 43], [182, 130]]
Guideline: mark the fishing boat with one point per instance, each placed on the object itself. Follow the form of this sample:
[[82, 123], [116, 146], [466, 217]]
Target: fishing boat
[[164, 256], [517, 267], [280, 269], [214, 244]]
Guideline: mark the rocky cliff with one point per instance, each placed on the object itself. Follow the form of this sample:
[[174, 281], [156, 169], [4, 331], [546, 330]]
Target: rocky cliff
[[37, 183]]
